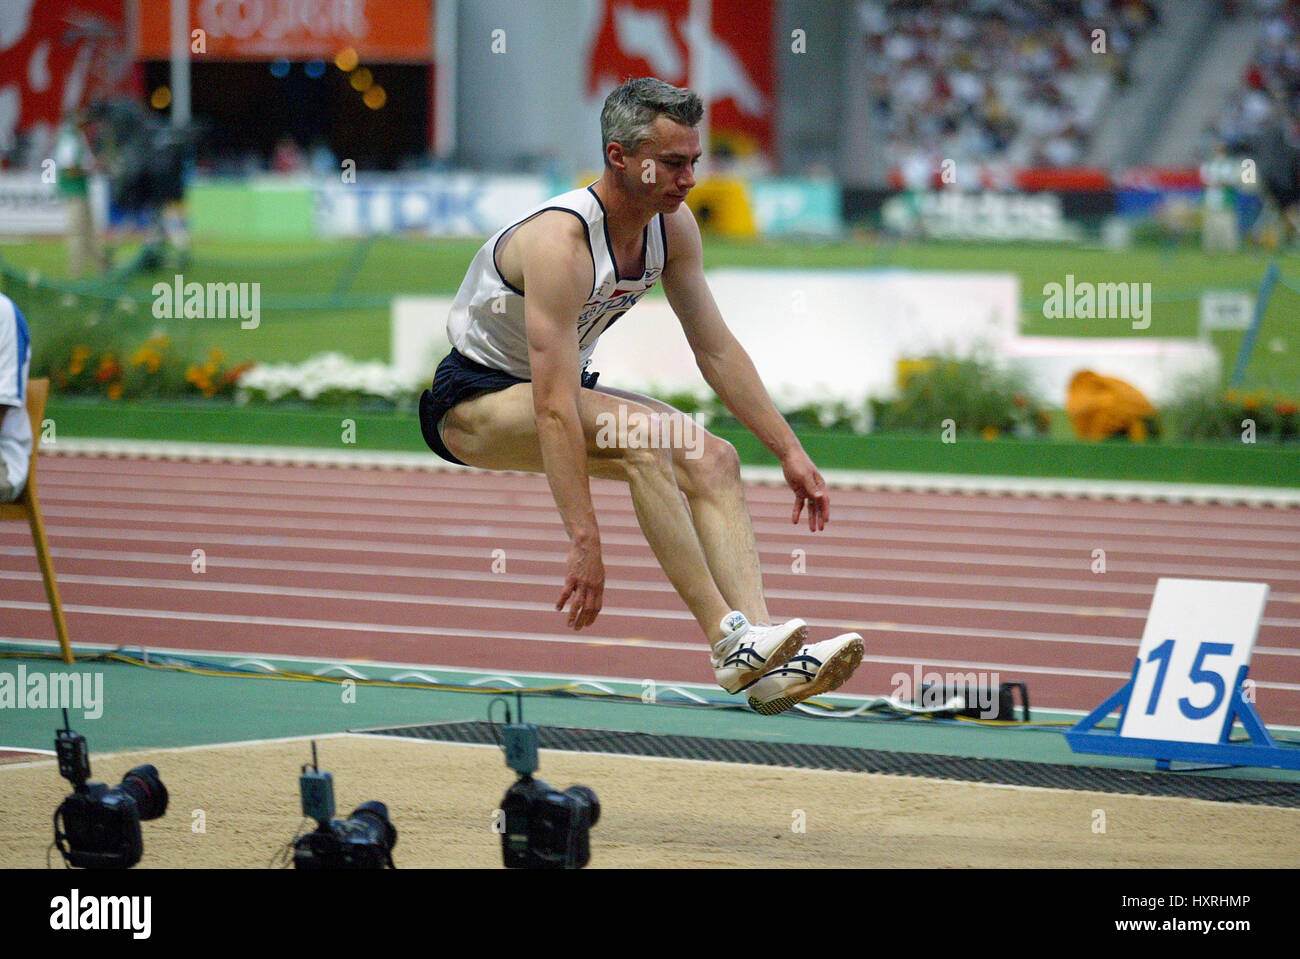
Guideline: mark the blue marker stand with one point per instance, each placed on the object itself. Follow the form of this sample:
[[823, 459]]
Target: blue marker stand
[[1084, 737], [1184, 694]]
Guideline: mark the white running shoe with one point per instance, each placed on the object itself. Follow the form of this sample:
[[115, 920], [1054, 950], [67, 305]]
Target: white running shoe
[[817, 669], [748, 650]]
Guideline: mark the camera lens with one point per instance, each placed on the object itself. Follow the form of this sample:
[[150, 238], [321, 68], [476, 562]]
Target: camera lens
[[589, 797], [144, 786], [372, 817]]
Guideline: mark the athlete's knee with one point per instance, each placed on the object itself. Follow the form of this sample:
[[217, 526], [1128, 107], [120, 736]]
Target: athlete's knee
[[458, 434], [713, 463], [456, 440]]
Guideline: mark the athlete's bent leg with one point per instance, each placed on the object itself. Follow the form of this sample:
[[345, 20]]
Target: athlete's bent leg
[[498, 431], [708, 472]]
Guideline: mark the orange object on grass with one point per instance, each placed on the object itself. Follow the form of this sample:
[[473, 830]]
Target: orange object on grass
[[1100, 407]]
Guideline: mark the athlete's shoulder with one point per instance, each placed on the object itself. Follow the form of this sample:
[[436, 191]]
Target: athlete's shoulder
[[554, 225], [579, 198], [549, 240]]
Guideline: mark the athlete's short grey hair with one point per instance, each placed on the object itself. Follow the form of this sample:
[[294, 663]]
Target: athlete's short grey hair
[[633, 107]]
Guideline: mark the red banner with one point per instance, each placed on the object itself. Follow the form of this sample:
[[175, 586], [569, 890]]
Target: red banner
[[1161, 178], [57, 56], [392, 31], [639, 38]]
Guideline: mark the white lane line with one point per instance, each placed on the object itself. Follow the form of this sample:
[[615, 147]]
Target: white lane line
[[911, 663], [385, 664], [500, 528], [1098, 586], [200, 747], [1035, 486], [540, 510], [425, 599], [191, 616], [838, 625], [545, 518], [1117, 562], [977, 632]]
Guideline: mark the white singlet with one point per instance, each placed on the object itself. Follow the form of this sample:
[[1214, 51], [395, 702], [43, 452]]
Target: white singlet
[[15, 427], [486, 323]]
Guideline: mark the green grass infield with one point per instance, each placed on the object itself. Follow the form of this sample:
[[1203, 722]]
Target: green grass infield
[[345, 429]]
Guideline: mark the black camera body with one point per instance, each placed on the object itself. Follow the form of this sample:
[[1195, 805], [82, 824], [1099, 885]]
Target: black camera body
[[542, 827], [546, 828], [101, 827], [365, 840], [98, 826]]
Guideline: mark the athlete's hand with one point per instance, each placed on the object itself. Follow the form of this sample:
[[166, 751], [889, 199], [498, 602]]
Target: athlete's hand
[[584, 583], [809, 489]]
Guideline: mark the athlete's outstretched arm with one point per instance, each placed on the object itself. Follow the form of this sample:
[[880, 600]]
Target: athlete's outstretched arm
[[728, 369], [557, 278]]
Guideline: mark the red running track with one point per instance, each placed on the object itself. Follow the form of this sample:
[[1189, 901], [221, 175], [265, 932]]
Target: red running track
[[397, 565]]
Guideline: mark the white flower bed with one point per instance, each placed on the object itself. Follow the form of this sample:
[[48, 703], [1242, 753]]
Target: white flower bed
[[337, 377], [326, 373]]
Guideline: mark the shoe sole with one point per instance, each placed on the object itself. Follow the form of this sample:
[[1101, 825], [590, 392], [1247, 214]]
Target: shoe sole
[[778, 657], [834, 673]]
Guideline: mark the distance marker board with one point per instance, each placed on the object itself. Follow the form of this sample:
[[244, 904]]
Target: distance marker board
[[1195, 651], [1188, 684]]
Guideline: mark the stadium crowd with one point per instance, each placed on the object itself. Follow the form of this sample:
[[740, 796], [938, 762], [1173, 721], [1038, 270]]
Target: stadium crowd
[[1015, 82], [1261, 120]]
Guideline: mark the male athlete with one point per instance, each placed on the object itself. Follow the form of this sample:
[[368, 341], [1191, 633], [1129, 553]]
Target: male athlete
[[515, 394]]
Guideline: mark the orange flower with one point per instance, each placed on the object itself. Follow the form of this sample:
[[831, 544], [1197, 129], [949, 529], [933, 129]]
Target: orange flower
[[108, 369], [115, 391], [235, 372], [142, 356], [77, 364]]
